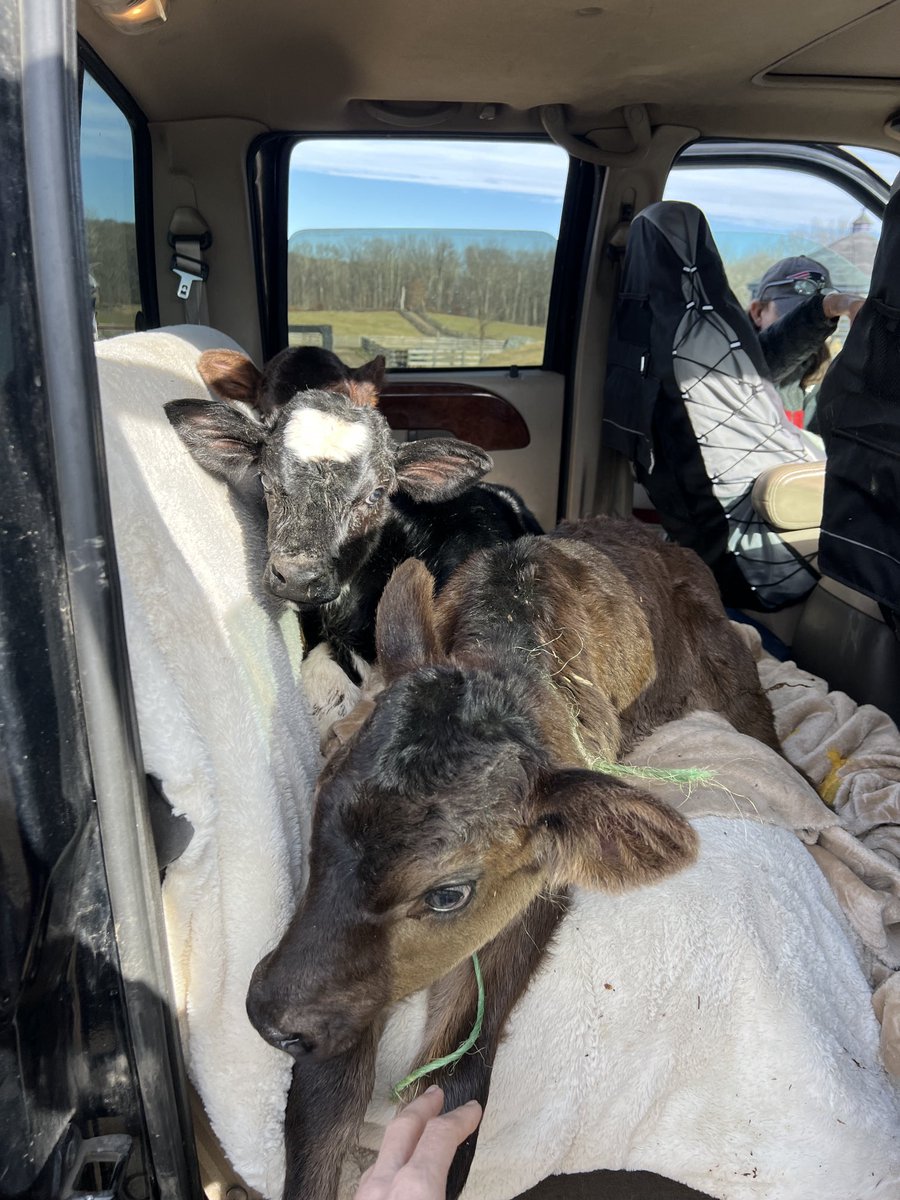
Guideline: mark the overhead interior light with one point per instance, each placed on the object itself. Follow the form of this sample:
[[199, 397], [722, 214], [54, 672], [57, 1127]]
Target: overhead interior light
[[131, 16]]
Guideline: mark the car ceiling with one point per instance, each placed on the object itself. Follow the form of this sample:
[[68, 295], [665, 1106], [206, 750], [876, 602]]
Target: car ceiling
[[765, 68]]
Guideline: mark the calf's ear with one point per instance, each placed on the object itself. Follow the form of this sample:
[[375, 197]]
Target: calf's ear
[[230, 375], [371, 372], [222, 439], [360, 392], [601, 833], [439, 468], [405, 633]]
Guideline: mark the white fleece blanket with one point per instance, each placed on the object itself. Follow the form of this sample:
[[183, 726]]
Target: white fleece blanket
[[224, 726], [716, 1028]]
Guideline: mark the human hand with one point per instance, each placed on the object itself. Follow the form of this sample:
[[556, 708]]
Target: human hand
[[417, 1150], [841, 304]]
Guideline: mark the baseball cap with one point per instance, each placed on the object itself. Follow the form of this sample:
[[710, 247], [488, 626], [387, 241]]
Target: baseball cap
[[792, 280]]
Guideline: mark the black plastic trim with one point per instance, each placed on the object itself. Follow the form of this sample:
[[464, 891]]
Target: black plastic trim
[[268, 163], [570, 277], [50, 131], [143, 175]]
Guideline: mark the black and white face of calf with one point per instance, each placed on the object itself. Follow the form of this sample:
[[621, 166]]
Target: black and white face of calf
[[325, 468]]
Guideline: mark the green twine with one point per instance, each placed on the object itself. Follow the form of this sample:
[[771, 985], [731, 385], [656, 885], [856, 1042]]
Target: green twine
[[413, 1077], [677, 775]]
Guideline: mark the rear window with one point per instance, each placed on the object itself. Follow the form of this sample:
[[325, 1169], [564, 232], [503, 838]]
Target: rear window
[[434, 253]]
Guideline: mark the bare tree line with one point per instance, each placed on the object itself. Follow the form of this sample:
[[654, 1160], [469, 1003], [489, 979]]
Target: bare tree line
[[112, 259], [487, 282]]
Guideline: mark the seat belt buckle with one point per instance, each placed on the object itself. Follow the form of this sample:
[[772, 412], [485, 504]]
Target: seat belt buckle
[[189, 271]]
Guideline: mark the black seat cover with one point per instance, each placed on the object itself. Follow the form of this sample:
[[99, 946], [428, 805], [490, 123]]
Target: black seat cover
[[859, 407], [688, 402]]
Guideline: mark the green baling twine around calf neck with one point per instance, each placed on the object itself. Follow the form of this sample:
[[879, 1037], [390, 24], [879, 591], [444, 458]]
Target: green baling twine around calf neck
[[682, 776], [677, 775], [414, 1076]]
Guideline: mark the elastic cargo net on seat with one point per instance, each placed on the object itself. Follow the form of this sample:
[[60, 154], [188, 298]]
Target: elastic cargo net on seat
[[688, 403]]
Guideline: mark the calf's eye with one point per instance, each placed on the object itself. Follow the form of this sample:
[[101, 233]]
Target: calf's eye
[[449, 898], [373, 497]]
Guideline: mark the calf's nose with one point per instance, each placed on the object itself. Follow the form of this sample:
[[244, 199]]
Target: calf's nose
[[299, 580], [319, 1033]]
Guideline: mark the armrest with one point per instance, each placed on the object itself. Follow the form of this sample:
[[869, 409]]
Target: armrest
[[790, 496]]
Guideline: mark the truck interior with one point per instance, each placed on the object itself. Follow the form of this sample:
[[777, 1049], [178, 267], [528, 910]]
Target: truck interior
[[450, 187]]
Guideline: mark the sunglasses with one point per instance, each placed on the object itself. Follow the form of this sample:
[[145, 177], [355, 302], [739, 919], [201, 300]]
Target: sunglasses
[[803, 283]]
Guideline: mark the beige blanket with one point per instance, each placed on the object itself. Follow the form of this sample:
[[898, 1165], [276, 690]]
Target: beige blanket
[[851, 753]]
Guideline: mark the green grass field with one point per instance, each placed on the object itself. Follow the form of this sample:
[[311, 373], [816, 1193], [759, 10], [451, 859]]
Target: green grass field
[[469, 327], [118, 318], [355, 324], [349, 327], [523, 356]]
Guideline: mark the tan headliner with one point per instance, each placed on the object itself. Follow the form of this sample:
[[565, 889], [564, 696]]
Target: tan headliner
[[296, 64]]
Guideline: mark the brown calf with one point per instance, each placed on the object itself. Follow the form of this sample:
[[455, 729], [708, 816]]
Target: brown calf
[[463, 809]]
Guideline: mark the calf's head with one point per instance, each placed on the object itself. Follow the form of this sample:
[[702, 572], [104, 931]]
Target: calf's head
[[231, 376], [324, 467], [435, 827]]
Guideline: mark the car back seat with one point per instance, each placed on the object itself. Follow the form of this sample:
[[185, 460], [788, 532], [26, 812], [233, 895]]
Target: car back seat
[[842, 636]]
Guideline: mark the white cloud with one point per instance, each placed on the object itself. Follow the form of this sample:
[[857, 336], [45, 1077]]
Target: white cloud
[[526, 168], [759, 199]]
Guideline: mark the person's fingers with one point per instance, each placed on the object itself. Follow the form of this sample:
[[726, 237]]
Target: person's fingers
[[840, 304], [432, 1157], [404, 1132]]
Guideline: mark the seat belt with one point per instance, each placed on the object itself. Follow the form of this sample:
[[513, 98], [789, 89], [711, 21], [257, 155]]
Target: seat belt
[[189, 235]]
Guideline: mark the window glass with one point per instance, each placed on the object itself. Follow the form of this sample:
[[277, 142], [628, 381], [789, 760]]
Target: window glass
[[759, 215], [882, 162], [434, 253], [107, 180]]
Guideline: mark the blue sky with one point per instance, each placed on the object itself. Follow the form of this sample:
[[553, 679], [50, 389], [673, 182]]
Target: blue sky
[[760, 201], [107, 178], [388, 183]]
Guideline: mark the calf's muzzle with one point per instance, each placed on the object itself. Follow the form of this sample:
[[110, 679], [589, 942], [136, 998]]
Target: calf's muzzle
[[304, 581], [317, 999]]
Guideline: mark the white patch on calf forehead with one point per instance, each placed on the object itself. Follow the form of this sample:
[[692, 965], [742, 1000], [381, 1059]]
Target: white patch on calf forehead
[[311, 434]]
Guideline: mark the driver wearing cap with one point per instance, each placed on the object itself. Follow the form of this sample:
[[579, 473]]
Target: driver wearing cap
[[796, 310]]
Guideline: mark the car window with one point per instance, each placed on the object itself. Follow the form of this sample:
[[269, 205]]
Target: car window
[[759, 215], [107, 181], [882, 162], [434, 253]]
